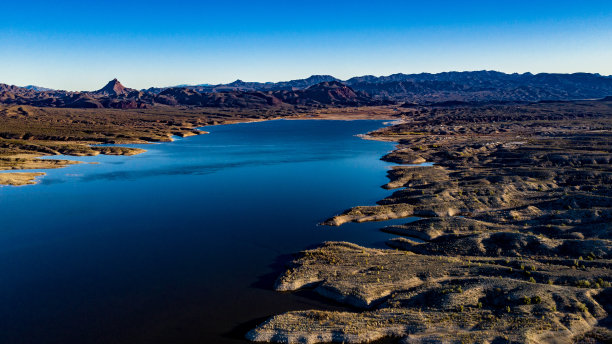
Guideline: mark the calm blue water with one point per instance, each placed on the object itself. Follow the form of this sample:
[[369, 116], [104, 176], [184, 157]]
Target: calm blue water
[[180, 244]]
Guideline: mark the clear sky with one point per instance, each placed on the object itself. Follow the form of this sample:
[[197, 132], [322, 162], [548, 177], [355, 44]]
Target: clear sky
[[80, 45]]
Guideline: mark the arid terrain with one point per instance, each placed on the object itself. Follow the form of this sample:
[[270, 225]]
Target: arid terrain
[[513, 241], [326, 90]]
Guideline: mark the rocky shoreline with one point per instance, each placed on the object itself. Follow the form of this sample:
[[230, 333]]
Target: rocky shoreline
[[514, 244]]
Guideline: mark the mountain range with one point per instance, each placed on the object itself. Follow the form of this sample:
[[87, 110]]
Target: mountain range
[[115, 95], [325, 90]]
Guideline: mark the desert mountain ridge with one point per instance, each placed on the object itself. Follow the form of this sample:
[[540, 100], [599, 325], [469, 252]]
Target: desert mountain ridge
[[326, 90], [115, 95]]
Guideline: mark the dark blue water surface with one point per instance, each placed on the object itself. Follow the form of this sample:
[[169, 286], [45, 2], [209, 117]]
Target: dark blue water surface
[[180, 244]]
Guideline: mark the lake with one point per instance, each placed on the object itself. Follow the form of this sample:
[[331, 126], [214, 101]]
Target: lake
[[181, 244]]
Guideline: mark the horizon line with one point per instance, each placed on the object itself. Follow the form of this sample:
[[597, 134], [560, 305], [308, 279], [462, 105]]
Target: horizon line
[[304, 78]]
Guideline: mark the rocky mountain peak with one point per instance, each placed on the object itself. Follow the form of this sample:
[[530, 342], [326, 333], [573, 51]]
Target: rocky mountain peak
[[114, 88]]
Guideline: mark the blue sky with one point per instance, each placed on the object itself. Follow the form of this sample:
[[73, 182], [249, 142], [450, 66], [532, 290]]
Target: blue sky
[[79, 45]]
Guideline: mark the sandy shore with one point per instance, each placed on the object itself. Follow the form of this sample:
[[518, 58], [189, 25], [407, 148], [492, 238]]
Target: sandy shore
[[19, 178]]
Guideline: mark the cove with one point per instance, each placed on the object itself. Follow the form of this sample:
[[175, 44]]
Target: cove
[[181, 244]]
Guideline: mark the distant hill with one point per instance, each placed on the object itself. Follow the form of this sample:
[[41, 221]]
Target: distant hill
[[234, 99], [326, 93], [115, 95], [114, 88], [445, 89], [38, 88], [477, 86], [321, 94], [483, 86], [240, 85]]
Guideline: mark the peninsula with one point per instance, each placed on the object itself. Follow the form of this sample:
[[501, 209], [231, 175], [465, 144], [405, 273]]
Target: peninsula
[[512, 243]]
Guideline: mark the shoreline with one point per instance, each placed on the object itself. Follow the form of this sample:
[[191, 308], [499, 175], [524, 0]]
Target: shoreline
[[116, 149], [504, 251], [20, 178], [512, 234], [297, 150]]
